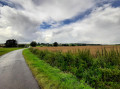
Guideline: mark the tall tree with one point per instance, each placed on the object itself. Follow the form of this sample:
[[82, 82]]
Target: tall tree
[[33, 44], [55, 44], [11, 43]]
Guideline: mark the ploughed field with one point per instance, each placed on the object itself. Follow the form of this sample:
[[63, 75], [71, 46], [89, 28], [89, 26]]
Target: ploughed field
[[93, 49]]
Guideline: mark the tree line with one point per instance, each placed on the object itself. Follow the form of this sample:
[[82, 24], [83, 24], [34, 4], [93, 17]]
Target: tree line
[[14, 43]]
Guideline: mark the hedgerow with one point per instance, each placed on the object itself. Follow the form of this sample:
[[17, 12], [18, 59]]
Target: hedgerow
[[100, 71]]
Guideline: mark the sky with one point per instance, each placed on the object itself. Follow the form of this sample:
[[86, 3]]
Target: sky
[[62, 21]]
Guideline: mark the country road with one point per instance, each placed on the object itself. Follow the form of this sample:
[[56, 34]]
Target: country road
[[14, 72]]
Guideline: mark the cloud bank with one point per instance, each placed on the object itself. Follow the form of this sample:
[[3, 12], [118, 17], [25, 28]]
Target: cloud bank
[[21, 20]]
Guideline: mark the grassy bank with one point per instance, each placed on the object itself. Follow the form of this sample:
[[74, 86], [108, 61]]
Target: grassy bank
[[50, 77], [100, 71], [6, 50]]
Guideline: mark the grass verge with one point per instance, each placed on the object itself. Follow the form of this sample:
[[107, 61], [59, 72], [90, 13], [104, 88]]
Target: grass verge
[[50, 77], [6, 50]]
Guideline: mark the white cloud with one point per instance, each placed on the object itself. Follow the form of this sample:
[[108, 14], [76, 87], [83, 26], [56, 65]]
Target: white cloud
[[101, 26], [55, 9], [20, 26], [23, 23]]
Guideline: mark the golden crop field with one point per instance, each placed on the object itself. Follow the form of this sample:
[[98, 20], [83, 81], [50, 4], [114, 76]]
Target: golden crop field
[[98, 68], [92, 49]]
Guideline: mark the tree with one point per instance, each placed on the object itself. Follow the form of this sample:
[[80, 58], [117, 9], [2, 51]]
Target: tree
[[55, 44], [11, 43], [33, 44], [38, 44]]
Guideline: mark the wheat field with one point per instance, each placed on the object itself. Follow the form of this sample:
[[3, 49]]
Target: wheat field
[[92, 49]]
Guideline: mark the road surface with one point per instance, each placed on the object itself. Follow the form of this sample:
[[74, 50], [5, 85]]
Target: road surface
[[14, 72]]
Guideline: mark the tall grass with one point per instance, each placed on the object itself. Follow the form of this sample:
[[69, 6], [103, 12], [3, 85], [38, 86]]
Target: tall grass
[[101, 70]]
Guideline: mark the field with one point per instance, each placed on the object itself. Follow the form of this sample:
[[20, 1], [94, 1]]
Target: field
[[92, 49], [100, 71], [6, 50]]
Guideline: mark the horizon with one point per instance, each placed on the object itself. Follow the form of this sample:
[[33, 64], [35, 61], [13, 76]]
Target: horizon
[[65, 21]]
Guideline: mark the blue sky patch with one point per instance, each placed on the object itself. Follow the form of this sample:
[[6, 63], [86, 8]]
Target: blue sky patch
[[76, 18], [7, 3], [116, 3], [45, 25], [10, 4]]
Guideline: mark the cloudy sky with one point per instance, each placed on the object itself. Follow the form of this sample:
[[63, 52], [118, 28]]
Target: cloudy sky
[[64, 21]]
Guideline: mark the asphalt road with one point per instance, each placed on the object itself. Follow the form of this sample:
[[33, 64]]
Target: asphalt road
[[14, 72]]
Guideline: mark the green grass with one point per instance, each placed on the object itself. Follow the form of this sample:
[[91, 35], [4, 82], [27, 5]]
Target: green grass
[[50, 77], [100, 71], [6, 50]]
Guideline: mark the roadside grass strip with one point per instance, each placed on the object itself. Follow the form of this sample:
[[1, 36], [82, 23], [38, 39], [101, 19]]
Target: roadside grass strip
[[6, 50], [49, 77]]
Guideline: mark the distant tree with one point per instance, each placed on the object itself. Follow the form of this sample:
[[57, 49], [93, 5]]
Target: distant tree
[[55, 44], [50, 45], [38, 44], [11, 43], [65, 44], [73, 44], [33, 44], [22, 45]]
